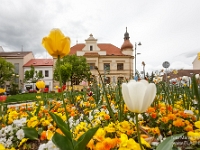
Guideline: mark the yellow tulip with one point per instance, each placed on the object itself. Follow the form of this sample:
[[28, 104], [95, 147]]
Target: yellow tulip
[[40, 84], [138, 96], [56, 43]]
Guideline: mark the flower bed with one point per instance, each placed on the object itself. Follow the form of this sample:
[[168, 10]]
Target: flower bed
[[175, 113]]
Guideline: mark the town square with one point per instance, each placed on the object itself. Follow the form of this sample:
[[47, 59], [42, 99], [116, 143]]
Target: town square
[[99, 75]]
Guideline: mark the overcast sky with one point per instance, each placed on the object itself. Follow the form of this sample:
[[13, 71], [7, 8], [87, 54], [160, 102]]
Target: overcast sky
[[169, 30]]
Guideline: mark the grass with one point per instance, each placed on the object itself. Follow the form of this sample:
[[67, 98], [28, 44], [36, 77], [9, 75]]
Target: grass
[[27, 97]]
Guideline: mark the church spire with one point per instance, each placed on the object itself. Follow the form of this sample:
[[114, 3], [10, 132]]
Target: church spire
[[126, 35]]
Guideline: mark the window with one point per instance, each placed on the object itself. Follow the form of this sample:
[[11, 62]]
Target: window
[[46, 73], [92, 65], [106, 66], [91, 47], [106, 80], [16, 65], [120, 66]]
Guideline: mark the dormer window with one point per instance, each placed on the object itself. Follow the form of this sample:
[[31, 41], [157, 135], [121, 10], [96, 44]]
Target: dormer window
[[91, 48]]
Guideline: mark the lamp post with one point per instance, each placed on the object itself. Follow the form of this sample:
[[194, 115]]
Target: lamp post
[[136, 54]]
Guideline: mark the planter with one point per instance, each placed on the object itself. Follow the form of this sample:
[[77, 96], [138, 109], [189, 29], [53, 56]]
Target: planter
[[3, 98]]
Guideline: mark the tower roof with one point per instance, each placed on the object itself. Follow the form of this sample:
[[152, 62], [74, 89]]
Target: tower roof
[[127, 43]]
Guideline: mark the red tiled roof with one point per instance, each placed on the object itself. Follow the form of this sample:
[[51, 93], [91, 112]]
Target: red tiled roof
[[91, 54], [39, 62], [109, 48]]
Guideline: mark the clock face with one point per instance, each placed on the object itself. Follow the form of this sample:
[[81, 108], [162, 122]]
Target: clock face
[[166, 64]]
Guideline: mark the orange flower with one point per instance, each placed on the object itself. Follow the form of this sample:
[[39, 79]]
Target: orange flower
[[162, 109], [90, 144], [153, 115], [169, 108], [106, 117], [43, 136], [188, 128], [171, 116], [59, 131], [179, 123], [129, 132], [155, 130], [72, 114], [184, 115], [165, 119], [150, 110]]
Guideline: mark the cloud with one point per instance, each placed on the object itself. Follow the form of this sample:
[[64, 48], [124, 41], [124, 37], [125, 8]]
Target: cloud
[[169, 30]]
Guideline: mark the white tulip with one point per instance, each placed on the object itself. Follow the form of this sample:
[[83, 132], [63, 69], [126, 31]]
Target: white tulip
[[197, 76], [138, 96]]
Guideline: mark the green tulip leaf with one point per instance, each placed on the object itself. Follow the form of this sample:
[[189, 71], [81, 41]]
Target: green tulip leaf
[[30, 133], [168, 143], [29, 114], [37, 110], [195, 87], [85, 138], [62, 125], [62, 142]]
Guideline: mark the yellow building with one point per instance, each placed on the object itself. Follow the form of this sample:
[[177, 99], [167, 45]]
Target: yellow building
[[114, 63]]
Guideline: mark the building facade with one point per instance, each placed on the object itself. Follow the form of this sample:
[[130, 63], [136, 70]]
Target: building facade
[[113, 63], [18, 59], [45, 66]]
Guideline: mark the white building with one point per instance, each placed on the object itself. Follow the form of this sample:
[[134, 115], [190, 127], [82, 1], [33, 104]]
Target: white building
[[41, 65]]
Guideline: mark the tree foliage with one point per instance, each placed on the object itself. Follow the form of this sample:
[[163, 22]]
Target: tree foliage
[[6, 71], [73, 66], [31, 76]]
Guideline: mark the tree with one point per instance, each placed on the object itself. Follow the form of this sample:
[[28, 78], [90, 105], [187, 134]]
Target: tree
[[73, 68], [65, 69], [6, 71], [151, 77], [32, 76]]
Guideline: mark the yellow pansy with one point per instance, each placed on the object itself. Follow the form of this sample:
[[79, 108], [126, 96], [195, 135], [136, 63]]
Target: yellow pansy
[[197, 124], [22, 141]]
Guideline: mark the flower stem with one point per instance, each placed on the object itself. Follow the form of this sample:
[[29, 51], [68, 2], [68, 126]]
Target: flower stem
[[62, 97], [138, 131]]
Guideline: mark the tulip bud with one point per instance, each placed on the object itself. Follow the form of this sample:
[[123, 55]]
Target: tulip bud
[[138, 96], [40, 84], [56, 43]]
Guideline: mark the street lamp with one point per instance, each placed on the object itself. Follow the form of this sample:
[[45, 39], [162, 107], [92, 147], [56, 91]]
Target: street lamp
[[139, 44]]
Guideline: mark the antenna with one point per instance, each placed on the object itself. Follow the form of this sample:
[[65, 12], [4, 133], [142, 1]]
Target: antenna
[[22, 48]]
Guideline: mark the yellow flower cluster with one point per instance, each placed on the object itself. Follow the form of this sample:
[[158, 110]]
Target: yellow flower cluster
[[2, 90]]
